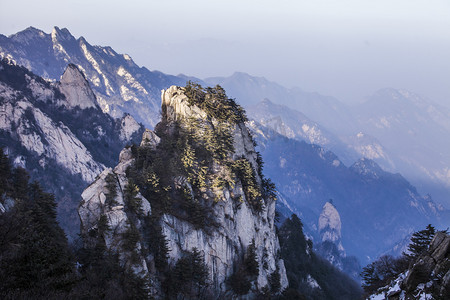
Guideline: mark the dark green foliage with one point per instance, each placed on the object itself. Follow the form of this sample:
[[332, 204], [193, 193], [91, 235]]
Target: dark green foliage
[[34, 257], [269, 189], [251, 260], [35, 260], [239, 282], [246, 174], [20, 182], [197, 213], [157, 242], [274, 281], [292, 294], [130, 237], [133, 202], [155, 169], [247, 271], [111, 185], [214, 101], [420, 241], [5, 175], [102, 277], [386, 268], [189, 277], [300, 261], [102, 224], [382, 271]]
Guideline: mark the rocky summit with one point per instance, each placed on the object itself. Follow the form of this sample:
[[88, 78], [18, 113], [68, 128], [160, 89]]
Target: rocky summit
[[192, 189]]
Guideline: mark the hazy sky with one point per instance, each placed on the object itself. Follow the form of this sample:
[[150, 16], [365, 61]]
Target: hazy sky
[[344, 48]]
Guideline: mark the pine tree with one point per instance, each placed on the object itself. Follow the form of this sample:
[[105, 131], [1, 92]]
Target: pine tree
[[34, 257], [420, 241], [251, 260], [132, 200], [370, 278], [111, 185], [5, 173], [189, 276], [274, 281]]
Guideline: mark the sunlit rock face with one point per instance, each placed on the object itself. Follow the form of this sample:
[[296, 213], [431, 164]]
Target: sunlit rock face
[[59, 134], [235, 224]]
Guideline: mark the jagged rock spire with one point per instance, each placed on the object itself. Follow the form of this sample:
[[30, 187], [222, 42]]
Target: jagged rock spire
[[76, 88]]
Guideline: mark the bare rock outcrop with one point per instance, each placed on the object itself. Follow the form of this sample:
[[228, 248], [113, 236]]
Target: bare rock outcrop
[[435, 262], [233, 221], [76, 88]]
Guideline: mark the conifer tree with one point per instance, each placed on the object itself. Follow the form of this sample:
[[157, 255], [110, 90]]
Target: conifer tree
[[5, 173], [111, 185], [420, 241], [251, 260]]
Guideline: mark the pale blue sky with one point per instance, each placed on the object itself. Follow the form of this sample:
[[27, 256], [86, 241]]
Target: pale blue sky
[[345, 48]]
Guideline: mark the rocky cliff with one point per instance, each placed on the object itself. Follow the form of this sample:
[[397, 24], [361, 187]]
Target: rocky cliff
[[58, 133], [202, 177], [428, 277], [330, 225]]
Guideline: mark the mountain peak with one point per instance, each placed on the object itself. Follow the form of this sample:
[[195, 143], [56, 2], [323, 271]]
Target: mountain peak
[[76, 88], [392, 95], [330, 225], [28, 34], [266, 101], [61, 34], [367, 167]]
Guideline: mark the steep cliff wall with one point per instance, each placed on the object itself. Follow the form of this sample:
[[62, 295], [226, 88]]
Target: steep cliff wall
[[201, 175]]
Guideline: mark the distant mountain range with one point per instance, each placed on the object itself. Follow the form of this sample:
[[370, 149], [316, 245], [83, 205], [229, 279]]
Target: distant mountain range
[[298, 135], [400, 130], [119, 84], [377, 208]]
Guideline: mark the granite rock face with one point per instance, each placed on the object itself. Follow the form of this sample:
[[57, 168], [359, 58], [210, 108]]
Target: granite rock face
[[75, 87], [39, 134], [434, 263], [237, 225], [93, 206], [330, 225], [59, 134], [428, 277]]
